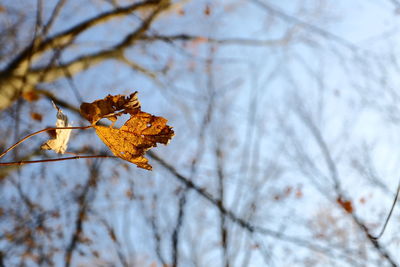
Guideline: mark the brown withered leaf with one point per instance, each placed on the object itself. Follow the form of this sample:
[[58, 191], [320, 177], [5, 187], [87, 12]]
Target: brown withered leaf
[[346, 204], [207, 10], [140, 133], [110, 107], [36, 116], [31, 96]]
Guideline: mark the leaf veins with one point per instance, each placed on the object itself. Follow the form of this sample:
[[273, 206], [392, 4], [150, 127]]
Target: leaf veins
[[140, 133], [110, 107]]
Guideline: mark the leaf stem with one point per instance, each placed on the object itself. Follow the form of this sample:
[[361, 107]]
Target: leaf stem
[[41, 131], [52, 160]]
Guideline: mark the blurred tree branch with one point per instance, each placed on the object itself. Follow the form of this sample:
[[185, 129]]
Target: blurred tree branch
[[19, 76], [252, 229], [339, 196]]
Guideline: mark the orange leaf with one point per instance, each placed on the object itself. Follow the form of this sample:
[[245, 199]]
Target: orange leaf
[[346, 204], [140, 133], [112, 235], [36, 116], [299, 193], [30, 96], [110, 107], [181, 12], [128, 193], [200, 40], [207, 10]]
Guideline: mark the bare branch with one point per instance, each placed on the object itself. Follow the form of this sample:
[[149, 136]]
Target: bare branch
[[390, 213], [18, 77], [306, 119], [53, 17], [83, 206], [67, 36], [41, 131], [22, 162], [231, 41], [308, 26], [252, 229]]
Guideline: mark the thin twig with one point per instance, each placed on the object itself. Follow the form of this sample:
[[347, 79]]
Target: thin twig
[[81, 215], [50, 160], [390, 213], [248, 226], [41, 131]]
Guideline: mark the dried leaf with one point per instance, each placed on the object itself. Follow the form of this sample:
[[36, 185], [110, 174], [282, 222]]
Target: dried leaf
[[181, 11], [112, 235], [299, 193], [60, 142], [200, 40], [30, 96], [140, 133], [346, 204], [207, 10], [110, 107], [36, 116], [128, 193]]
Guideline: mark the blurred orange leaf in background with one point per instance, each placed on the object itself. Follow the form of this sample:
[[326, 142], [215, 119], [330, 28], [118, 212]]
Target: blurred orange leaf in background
[[346, 204]]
